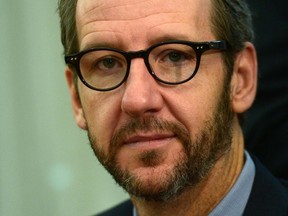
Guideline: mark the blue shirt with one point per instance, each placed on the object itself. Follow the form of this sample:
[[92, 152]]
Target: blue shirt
[[233, 204]]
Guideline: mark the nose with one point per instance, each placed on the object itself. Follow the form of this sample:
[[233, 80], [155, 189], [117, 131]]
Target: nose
[[142, 94]]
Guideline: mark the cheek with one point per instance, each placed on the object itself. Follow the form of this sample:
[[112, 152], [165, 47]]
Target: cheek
[[102, 114], [194, 104], [193, 115]]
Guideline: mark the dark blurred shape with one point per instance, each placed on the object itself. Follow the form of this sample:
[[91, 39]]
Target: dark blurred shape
[[266, 125]]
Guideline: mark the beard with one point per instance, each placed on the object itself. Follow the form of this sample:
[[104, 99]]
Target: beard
[[192, 165]]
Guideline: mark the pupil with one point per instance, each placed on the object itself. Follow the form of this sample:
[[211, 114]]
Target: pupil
[[174, 57], [109, 63]]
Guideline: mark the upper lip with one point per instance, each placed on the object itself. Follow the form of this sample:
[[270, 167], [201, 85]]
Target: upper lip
[[145, 137]]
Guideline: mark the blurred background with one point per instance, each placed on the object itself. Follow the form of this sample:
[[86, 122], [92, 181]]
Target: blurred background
[[46, 165]]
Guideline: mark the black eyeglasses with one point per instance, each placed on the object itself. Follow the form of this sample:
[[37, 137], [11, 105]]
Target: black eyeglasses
[[172, 62]]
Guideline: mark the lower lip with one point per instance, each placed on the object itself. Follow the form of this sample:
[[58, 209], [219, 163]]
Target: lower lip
[[150, 144]]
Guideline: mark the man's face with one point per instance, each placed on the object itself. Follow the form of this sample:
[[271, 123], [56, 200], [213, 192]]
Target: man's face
[[153, 138]]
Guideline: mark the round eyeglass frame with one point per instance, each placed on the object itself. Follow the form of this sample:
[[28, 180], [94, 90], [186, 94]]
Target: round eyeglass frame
[[198, 47]]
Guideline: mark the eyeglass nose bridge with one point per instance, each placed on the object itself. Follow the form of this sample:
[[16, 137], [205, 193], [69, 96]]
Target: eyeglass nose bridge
[[140, 54], [137, 54]]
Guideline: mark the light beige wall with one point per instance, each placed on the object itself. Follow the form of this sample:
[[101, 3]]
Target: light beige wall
[[46, 165]]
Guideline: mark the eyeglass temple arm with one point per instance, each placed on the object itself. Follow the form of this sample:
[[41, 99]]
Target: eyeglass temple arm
[[219, 45]]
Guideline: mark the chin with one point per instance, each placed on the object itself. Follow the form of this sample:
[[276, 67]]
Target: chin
[[161, 180]]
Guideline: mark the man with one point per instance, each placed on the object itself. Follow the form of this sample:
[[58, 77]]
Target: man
[[160, 87]]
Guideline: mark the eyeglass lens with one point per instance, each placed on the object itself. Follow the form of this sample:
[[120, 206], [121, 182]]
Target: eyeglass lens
[[172, 63]]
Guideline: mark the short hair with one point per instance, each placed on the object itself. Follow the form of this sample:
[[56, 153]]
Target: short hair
[[67, 13], [232, 21]]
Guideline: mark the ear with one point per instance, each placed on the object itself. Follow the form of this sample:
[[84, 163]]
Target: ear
[[76, 102], [244, 79]]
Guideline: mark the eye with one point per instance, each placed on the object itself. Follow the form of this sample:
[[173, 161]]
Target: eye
[[107, 63], [175, 56]]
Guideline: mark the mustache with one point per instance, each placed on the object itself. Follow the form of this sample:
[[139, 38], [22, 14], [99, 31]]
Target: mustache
[[149, 124]]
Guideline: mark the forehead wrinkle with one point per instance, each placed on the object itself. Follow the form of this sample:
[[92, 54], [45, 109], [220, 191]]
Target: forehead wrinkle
[[150, 17], [99, 4], [100, 18], [104, 26], [107, 17], [107, 21], [112, 6], [99, 11], [112, 42]]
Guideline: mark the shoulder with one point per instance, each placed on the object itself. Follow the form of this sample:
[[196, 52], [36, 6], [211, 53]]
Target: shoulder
[[124, 208], [269, 196]]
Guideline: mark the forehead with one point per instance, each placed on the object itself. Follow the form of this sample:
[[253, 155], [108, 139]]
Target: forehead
[[136, 20]]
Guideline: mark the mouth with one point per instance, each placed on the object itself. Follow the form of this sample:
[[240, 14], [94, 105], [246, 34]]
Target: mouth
[[148, 141]]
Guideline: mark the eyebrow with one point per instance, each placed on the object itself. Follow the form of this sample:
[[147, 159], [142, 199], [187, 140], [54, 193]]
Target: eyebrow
[[99, 44], [102, 40], [165, 38]]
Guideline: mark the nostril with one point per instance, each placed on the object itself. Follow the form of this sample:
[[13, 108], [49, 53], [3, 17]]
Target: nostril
[[138, 106], [141, 97]]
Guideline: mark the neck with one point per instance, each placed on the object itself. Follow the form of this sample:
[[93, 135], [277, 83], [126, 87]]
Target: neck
[[205, 196]]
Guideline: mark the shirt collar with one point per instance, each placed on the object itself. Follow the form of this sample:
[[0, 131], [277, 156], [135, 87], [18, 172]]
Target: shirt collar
[[234, 203]]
